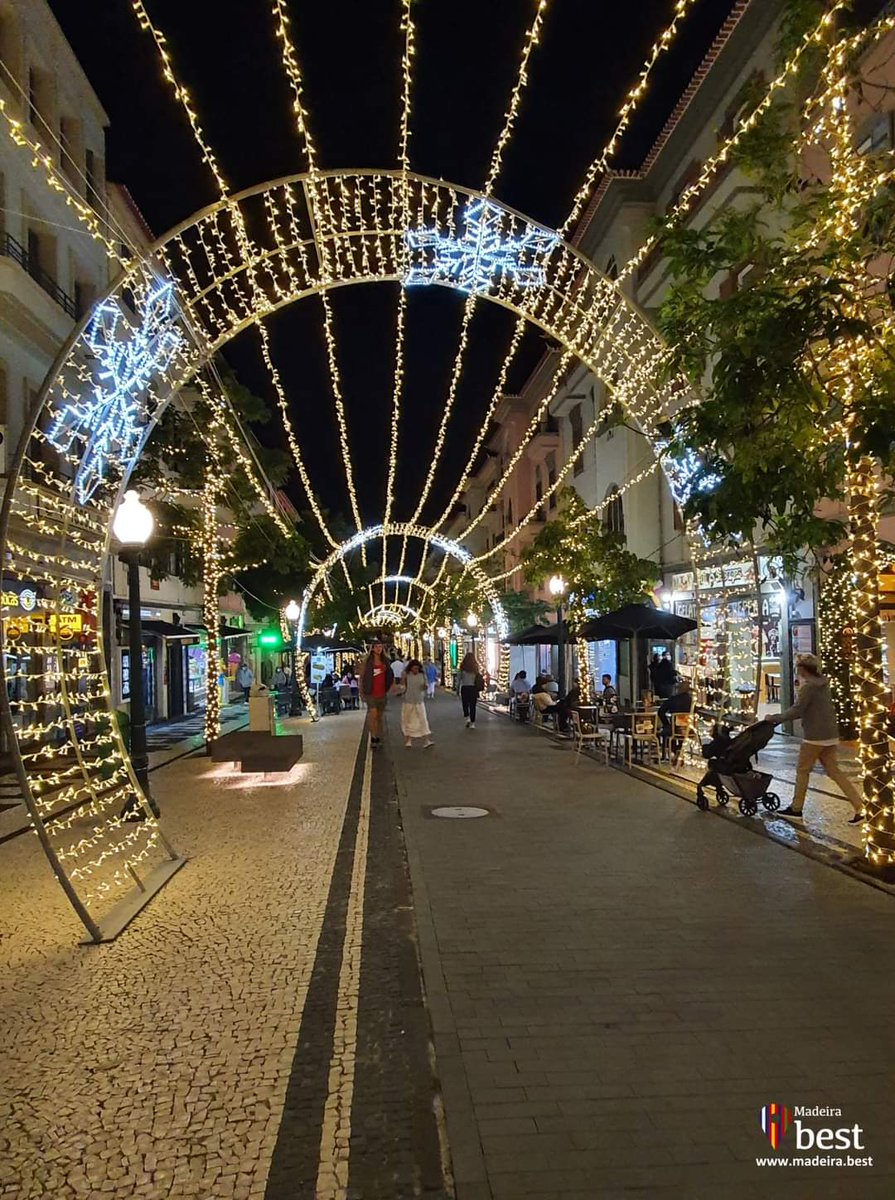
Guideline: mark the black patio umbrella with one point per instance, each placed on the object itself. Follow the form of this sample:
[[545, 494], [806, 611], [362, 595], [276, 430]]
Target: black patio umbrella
[[543, 635], [633, 622], [636, 620], [521, 639]]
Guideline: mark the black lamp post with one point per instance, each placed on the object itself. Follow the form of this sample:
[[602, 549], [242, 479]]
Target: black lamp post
[[557, 589], [132, 527], [293, 612]]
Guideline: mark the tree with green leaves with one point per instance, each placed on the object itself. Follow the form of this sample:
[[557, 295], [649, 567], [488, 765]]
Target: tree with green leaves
[[601, 572], [794, 360]]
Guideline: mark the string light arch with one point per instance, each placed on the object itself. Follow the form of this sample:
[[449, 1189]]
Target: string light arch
[[160, 324]]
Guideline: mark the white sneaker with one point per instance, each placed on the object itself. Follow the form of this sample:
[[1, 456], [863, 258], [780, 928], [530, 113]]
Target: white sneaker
[[467, 722], [472, 724]]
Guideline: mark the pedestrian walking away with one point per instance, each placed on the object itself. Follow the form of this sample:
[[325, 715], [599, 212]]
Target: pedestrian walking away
[[820, 738], [398, 667], [414, 722], [432, 673], [376, 681], [471, 685], [245, 677]]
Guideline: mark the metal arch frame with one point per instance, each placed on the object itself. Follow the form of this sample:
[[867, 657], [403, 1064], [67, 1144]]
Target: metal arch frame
[[218, 294]]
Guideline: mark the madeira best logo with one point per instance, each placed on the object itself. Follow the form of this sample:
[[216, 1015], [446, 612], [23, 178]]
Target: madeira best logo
[[778, 1119]]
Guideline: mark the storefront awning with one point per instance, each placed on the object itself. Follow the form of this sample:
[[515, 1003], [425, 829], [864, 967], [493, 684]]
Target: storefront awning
[[226, 631], [167, 629]]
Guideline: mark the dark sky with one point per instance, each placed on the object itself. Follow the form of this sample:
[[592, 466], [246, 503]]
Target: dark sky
[[350, 50]]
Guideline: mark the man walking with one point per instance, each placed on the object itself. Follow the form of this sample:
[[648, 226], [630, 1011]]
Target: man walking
[[376, 680], [245, 677], [432, 673]]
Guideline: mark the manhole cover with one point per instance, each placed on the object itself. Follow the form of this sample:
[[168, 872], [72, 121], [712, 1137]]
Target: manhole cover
[[460, 812]]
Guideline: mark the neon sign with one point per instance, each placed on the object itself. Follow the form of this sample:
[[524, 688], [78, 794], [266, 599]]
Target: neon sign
[[487, 252], [127, 356]]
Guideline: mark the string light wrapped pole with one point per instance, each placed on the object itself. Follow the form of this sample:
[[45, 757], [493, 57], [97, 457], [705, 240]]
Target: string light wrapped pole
[[211, 577], [557, 589]]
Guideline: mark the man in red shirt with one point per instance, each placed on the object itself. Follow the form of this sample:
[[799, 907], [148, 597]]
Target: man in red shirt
[[376, 679]]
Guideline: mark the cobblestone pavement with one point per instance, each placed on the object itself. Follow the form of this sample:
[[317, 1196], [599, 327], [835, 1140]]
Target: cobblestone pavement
[[239, 1040], [618, 983]]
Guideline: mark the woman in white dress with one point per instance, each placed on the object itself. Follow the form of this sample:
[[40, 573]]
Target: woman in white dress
[[414, 722]]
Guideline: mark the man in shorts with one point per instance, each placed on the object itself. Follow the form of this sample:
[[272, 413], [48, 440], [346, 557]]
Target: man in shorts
[[376, 680]]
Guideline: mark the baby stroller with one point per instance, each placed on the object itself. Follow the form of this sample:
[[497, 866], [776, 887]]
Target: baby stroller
[[731, 772]]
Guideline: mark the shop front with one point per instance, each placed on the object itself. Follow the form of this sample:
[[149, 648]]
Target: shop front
[[749, 630]]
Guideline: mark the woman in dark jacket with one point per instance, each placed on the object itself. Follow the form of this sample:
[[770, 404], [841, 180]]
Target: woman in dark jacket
[[471, 684]]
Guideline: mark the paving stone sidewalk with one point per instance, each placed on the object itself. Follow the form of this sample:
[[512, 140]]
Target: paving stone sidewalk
[[618, 984], [257, 1033]]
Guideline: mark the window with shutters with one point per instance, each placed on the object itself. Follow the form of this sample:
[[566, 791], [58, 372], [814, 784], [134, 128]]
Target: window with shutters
[[576, 423]]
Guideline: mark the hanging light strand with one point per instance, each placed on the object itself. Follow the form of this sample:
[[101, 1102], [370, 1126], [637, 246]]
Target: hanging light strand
[[691, 194], [600, 164], [532, 38]]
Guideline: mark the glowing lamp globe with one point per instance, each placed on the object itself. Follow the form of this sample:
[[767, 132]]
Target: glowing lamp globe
[[472, 621], [133, 523], [293, 612], [557, 585]]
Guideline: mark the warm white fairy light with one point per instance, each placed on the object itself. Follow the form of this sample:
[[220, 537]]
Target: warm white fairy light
[[531, 40], [601, 163], [710, 168], [532, 37], [496, 397]]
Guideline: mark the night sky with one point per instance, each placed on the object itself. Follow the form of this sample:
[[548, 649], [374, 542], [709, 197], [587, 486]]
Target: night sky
[[350, 52]]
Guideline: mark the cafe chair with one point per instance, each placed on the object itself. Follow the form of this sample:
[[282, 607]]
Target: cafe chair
[[684, 733], [772, 688], [592, 736], [643, 734]]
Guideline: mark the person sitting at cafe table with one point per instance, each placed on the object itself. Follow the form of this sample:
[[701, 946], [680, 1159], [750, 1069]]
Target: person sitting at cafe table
[[571, 702], [546, 705], [520, 685], [682, 702], [609, 696]]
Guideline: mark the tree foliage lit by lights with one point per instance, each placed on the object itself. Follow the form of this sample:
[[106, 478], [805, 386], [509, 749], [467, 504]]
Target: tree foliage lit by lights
[[601, 572], [797, 410], [173, 465]]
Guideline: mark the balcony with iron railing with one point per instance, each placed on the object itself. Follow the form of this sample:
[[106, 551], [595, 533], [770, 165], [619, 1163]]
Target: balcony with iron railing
[[11, 248]]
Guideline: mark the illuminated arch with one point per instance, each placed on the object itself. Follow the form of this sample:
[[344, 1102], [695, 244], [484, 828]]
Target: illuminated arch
[[161, 322], [404, 529], [393, 613]]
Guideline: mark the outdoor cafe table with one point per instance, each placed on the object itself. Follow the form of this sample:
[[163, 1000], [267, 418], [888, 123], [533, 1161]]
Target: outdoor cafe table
[[621, 723]]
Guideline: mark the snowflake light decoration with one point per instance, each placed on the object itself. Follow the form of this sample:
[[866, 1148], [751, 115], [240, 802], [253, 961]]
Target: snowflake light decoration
[[486, 253], [108, 424]]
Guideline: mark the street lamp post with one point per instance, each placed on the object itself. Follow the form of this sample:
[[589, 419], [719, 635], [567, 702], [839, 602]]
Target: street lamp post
[[293, 612], [442, 636], [132, 527], [473, 622], [557, 589]]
